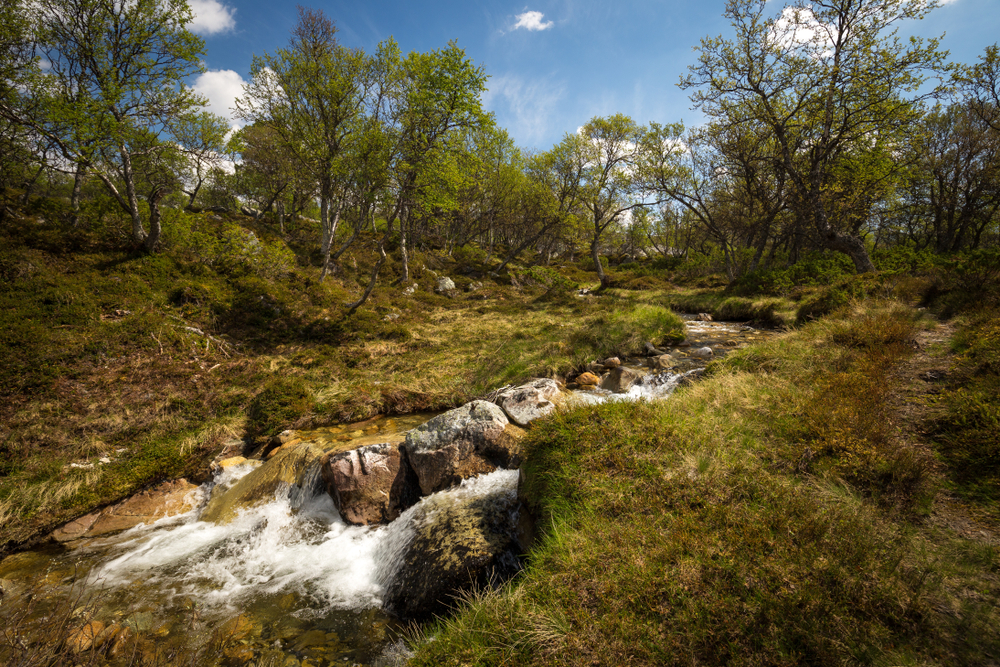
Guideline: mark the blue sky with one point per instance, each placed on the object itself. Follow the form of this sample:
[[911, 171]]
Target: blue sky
[[552, 64]]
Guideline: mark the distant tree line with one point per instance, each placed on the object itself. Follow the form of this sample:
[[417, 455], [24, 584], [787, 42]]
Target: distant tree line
[[825, 132]]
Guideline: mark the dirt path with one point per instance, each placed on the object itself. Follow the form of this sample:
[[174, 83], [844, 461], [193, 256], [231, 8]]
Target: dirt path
[[918, 380]]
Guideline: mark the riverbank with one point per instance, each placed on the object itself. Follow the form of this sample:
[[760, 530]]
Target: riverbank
[[784, 510]]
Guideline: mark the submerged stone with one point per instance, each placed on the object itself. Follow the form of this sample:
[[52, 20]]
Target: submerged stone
[[285, 471], [620, 379]]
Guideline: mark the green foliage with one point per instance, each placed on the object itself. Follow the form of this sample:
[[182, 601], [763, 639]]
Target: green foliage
[[226, 247], [903, 259], [548, 277], [277, 407], [967, 281], [814, 270]]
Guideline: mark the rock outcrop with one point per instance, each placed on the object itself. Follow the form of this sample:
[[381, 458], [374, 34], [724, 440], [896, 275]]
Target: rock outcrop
[[458, 444], [371, 484], [528, 402]]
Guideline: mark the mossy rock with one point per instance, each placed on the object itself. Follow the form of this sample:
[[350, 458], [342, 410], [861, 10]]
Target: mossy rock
[[466, 545]]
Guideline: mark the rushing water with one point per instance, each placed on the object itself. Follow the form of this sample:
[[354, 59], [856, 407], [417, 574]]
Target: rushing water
[[307, 585]]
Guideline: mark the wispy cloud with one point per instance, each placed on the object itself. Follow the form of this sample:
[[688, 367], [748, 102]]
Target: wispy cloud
[[532, 21], [211, 17], [221, 87], [525, 108]]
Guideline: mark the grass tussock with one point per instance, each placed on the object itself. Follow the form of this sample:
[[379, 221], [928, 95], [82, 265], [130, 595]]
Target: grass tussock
[[695, 531], [772, 312]]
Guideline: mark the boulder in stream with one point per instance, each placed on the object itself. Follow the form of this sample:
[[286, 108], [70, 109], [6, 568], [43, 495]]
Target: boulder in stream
[[458, 543], [702, 353], [620, 379], [530, 401], [371, 484], [460, 443]]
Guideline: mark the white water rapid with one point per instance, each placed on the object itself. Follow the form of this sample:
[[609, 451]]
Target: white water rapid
[[289, 544]]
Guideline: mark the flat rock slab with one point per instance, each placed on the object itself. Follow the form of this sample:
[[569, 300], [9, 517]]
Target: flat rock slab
[[286, 470], [167, 499], [371, 484], [460, 443], [530, 401]]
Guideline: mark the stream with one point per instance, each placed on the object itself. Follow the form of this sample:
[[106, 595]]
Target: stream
[[285, 581]]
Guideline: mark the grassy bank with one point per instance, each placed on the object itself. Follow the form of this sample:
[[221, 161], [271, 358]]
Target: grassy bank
[[774, 514]]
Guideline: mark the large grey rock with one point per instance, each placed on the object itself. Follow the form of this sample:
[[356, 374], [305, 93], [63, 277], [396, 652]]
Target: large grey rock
[[458, 544], [444, 285], [620, 379], [530, 401], [458, 444], [371, 484]]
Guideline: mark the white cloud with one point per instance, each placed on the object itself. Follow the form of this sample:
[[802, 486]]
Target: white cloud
[[211, 16], [221, 87], [798, 29], [532, 21]]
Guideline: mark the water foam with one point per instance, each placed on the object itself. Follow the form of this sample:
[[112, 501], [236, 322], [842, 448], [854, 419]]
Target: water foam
[[652, 387], [294, 543]]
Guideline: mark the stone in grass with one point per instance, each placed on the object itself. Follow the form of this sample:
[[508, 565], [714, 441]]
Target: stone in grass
[[460, 443], [444, 285], [530, 401]]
